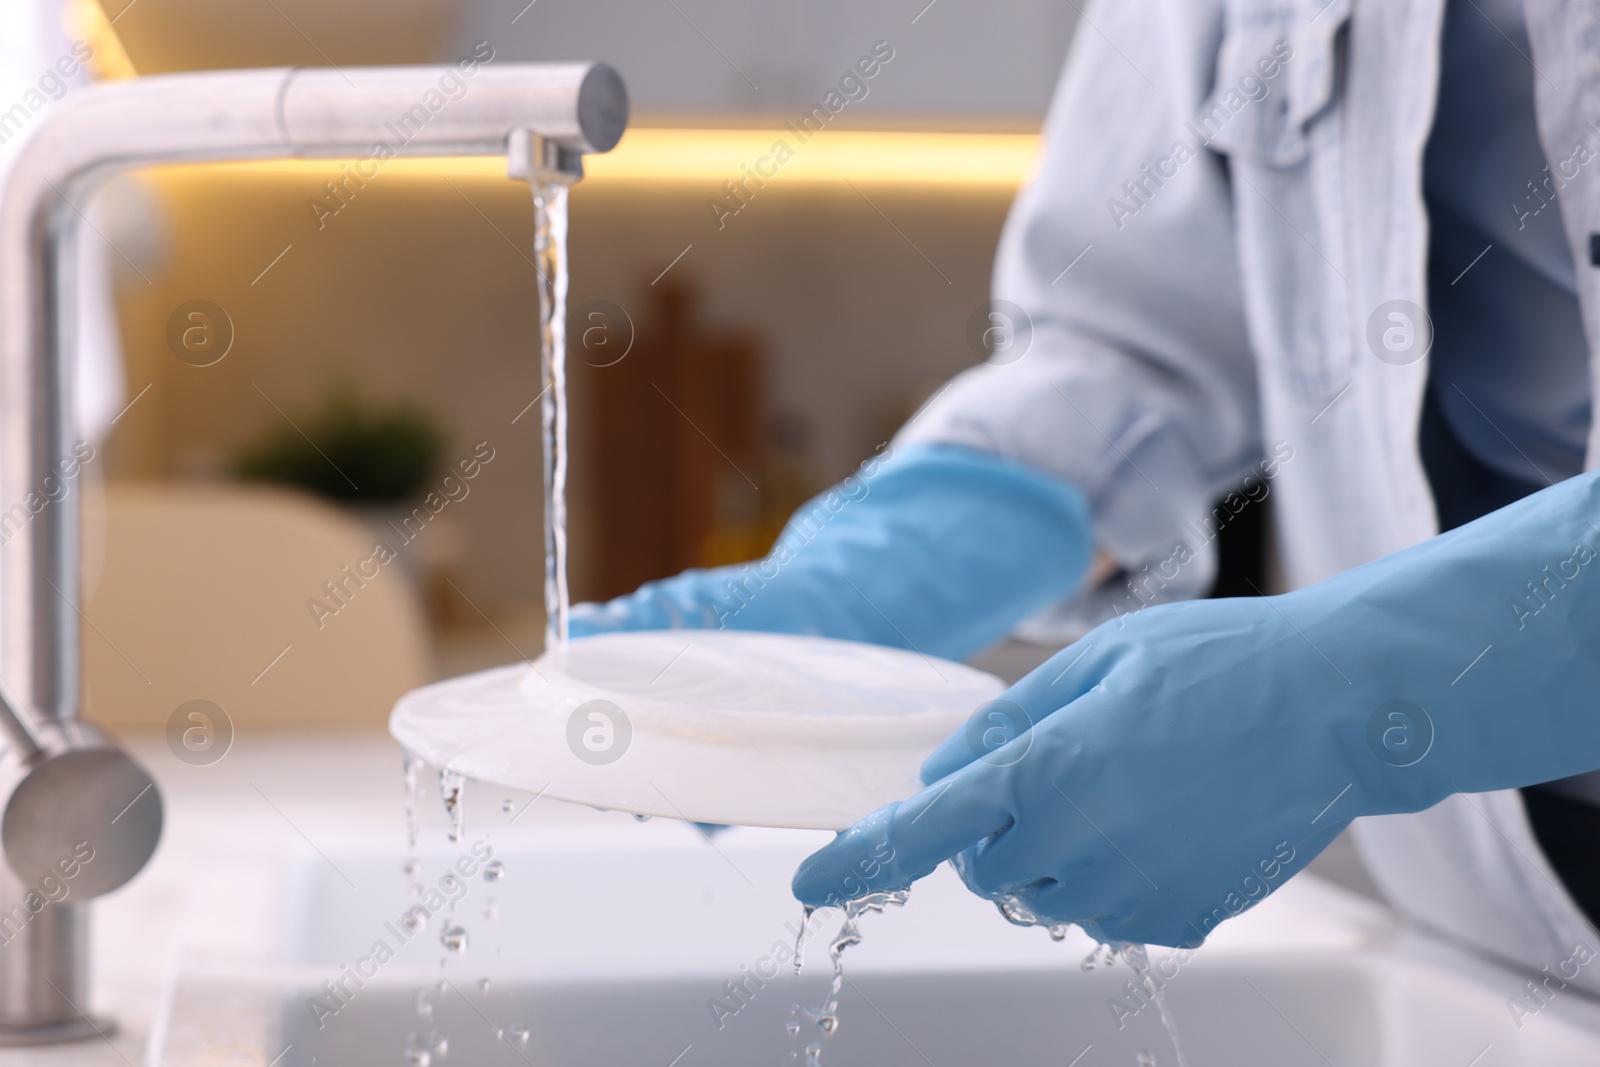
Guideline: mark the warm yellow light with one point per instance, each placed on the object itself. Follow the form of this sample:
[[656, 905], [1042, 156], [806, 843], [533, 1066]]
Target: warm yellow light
[[829, 155], [716, 156], [87, 20]]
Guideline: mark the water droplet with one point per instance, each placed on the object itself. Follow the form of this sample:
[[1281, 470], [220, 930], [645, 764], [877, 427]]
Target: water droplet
[[441, 985], [491, 909], [791, 1027], [452, 788], [1016, 912], [411, 867], [424, 1009], [518, 1035], [440, 1044], [483, 985], [508, 806], [493, 871], [1019, 914], [411, 777], [827, 1016], [1145, 1059], [417, 1055], [1137, 957], [454, 938], [806, 911], [415, 919], [640, 818]]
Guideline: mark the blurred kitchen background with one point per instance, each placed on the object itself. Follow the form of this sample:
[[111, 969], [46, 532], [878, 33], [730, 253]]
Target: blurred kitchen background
[[721, 369]]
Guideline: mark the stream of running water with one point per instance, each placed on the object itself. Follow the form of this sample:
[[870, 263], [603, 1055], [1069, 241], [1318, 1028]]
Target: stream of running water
[[550, 259]]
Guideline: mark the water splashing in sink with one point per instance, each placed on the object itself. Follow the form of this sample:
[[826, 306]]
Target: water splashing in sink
[[550, 257], [411, 782], [1017, 914], [1099, 956], [827, 1015], [1136, 956], [806, 911], [454, 938]]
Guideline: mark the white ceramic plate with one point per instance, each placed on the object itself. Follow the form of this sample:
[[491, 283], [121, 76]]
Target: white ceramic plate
[[715, 726]]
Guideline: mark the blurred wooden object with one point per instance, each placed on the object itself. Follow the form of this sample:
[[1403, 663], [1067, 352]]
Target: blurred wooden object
[[202, 593], [677, 440]]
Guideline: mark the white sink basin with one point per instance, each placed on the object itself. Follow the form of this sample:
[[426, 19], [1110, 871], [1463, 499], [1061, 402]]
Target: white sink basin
[[615, 947]]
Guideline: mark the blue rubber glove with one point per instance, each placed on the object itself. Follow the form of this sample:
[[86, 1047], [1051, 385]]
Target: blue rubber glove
[[1184, 761], [937, 548]]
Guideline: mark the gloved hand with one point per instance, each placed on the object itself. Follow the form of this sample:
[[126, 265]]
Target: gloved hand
[[1184, 761], [938, 548]]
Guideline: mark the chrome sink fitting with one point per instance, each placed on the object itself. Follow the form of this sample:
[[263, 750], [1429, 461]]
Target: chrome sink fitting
[[65, 788]]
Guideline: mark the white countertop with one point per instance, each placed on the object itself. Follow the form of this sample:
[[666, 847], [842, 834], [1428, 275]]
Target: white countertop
[[214, 891]]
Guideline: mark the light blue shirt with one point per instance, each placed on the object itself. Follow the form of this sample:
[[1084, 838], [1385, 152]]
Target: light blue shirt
[[1509, 363], [1232, 327]]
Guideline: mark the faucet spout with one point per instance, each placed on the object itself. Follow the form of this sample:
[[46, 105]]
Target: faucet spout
[[379, 113], [368, 112]]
